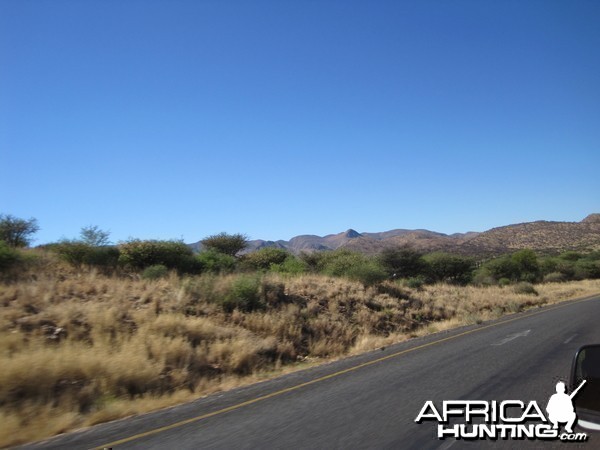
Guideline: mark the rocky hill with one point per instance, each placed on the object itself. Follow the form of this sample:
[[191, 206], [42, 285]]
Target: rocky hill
[[548, 237], [543, 236]]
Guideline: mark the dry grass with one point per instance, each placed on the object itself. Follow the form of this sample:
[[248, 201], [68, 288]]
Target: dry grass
[[83, 348]]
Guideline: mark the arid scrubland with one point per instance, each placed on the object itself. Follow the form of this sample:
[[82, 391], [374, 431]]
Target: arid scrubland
[[78, 347]]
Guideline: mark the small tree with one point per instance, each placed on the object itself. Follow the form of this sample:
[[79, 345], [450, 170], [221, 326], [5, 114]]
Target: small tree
[[264, 258], [139, 254], [17, 232], [503, 267], [78, 254], [527, 264], [94, 236], [402, 262], [449, 268], [228, 244]]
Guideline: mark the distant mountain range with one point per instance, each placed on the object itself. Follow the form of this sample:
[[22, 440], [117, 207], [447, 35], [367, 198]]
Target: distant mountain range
[[543, 236]]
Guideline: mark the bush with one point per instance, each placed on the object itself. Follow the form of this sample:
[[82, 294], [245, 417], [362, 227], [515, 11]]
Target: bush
[[243, 295], [504, 282], [17, 264], [527, 265], [215, 262], [353, 265], [520, 266], [72, 252], [548, 265], [415, 282], [103, 257], [155, 272], [291, 265], [555, 277], [264, 258], [78, 254], [368, 274], [449, 268], [567, 268], [9, 257], [312, 260], [586, 269], [402, 262], [483, 277], [138, 254], [502, 267], [525, 288], [571, 256]]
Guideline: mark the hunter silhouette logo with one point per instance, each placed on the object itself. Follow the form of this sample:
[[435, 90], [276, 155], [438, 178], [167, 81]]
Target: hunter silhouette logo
[[560, 407], [508, 419]]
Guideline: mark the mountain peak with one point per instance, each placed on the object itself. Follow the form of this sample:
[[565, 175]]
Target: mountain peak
[[352, 234]]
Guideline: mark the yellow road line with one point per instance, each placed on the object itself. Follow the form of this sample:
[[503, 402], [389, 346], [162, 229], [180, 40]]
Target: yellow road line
[[333, 375]]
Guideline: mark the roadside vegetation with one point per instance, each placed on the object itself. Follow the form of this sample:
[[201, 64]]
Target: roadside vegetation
[[91, 332]]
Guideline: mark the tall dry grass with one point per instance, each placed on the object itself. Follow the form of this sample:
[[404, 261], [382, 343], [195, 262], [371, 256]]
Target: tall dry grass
[[79, 348]]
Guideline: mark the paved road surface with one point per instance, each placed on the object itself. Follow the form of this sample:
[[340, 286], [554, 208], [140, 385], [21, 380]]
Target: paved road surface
[[371, 401]]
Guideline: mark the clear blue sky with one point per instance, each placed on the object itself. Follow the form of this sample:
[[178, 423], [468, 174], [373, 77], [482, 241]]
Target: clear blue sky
[[181, 119]]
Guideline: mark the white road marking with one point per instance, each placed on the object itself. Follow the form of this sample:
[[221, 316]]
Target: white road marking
[[570, 339], [512, 337]]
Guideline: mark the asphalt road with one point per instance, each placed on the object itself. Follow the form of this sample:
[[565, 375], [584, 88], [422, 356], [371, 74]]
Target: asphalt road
[[371, 401]]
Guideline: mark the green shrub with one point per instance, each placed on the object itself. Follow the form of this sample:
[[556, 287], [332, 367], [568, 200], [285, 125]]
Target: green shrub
[[78, 254], [73, 252], [525, 288], [103, 257], [313, 261], [586, 269], [415, 282], [548, 265], [504, 282], [403, 262], [201, 289], [138, 254], [155, 272], [483, 277], [215, 262], [337, 263], [593, 256], [368, 273], [503, 267], [520, 266], [16, 263], [291, 265], [449, 268], [527, 265], [264, 258], [571, 256], [555, 277], [9, 257], [353, 265], [243, 295], [567, 268]]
